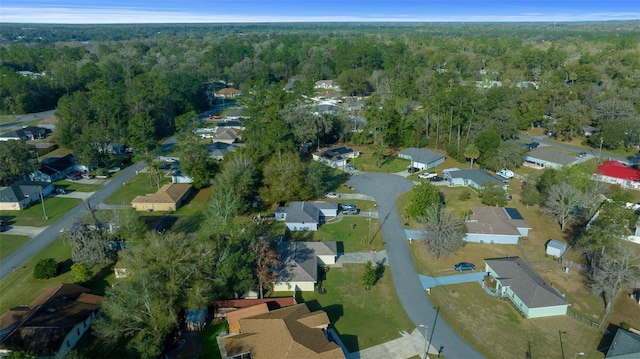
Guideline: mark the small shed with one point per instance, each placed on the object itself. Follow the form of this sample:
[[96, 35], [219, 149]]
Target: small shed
[[196, 320], [556, 248]]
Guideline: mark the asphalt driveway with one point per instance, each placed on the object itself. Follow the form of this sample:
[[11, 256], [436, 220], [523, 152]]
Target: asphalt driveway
[[385, 188]]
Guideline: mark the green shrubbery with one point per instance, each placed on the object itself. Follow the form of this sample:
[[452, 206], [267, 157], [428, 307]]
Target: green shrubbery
[[45, 269]]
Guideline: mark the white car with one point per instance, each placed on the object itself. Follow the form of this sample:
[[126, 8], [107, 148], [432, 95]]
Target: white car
[[331, 195], [427, 175], [505, 173], [114, 169]]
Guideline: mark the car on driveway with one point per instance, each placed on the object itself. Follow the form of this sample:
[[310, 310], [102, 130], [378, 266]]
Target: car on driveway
[[351, 167], [114, 169], [350, 211], [74, 176], [427, 175], [582, 154], [436, 179], [532, 145], [505, 173], [347, 206], [413, 169], [464, 266], [331, 195]]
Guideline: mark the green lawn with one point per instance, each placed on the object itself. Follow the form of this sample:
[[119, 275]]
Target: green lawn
[[7, 119], [354, 232], [137, 186], [490, 325], [389, 164], [19, 287], [72, 186], [208, 339], [361, 318], [9, 243], [55, 207]]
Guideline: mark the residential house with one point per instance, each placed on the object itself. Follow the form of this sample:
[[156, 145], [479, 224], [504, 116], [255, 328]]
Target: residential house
[[218, 150], [230, 305], [615, 172], [25, 133], [53, 323], [588, 131], [527, 84], [53, 169], [168, 198], [306, 216], [112, 148], [422, 158], [236, 124], [178, 177], [228, 93], [475, 178], [327, 85], [335, 157], [226, 135], [22, 194], [532, 295], [495, 225], [299, 264], [287, 333], [546, 157], [233, 317], [625, 345]]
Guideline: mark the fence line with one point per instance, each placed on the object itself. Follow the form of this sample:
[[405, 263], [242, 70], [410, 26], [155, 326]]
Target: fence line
[[582, 319]]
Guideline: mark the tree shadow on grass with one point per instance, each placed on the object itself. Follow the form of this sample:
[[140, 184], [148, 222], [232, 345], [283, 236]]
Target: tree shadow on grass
[[99, 281], [64, 266], [335, 181]]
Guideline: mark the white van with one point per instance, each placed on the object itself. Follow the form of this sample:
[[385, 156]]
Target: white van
[[505, 173]]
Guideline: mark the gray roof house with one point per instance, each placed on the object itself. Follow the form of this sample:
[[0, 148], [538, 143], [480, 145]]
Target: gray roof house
[[22, 194], [625, 345], [547, 158], [306, 216], [335, 157], [24, 134], [531, 294], [495, 225], [473, 177], [218, 150], [422, 158], [53, 168], [300, 261]]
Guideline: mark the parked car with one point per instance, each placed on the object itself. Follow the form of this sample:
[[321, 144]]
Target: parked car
[[73, 176], [427, 175], [351, 167], [114, 169], [87, 176], [464, 266], [331, 195], [413, 169], [436, 179], [581, 154], [533, 145], [347, 206], [61, 191], [350, 211], [508, 197], [505, 173]]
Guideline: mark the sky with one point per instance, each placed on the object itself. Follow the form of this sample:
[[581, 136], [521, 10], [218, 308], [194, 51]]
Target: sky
[[248, 11]]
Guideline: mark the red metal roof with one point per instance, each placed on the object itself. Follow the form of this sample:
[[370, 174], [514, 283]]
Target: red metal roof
[[616, 169]]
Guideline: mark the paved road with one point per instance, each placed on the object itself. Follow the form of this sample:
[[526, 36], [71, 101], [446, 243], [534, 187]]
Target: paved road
[[28, 117], [40, 241], [593, 152], [385, 188]]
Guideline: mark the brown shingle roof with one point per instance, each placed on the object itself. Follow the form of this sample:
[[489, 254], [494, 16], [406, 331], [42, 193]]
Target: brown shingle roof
[[233, 317], [169, 193], [284, 333], [493, 220]]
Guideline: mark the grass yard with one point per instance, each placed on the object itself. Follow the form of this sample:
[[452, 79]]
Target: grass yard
[[138, 185], [490, 325], [9, 243], [361, 318], [353, 232], [625, 312], [72, 186], [55, 207], [19, 287], [196, 203], [208, 339], [389, 164]]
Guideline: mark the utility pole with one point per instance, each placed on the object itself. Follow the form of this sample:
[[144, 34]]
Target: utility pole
[[600, 154], [369, 236], [44, 210]]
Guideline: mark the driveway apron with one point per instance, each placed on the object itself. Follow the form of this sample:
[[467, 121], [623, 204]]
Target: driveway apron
[[385, 188]]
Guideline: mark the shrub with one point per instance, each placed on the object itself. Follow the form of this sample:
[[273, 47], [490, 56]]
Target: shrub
[[45, 269], [81, 272], [464, 195]]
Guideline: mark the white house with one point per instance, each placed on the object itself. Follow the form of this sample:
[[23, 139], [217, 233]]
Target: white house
[[300, 262], [335, 157], [497, 225], [531, 294], [306, 216], [326, 85]]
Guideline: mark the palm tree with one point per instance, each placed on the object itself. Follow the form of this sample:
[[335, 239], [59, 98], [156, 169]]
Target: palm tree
[[471, 152]]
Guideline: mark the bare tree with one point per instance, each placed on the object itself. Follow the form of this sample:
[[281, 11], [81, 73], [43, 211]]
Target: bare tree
[[90, 239], [613, 272], [563, 203], [444, 231], [267, 261]]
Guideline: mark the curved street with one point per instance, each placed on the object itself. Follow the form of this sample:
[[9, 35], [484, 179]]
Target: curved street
[[385, 188]]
